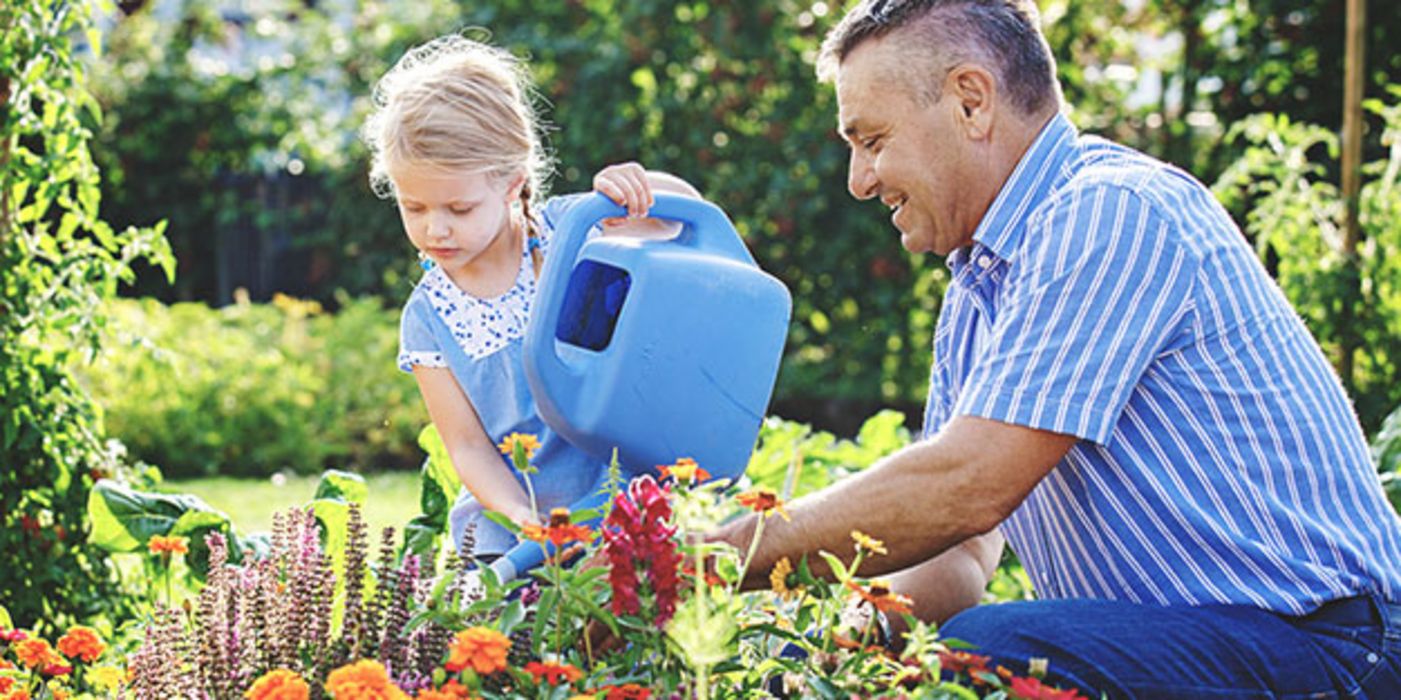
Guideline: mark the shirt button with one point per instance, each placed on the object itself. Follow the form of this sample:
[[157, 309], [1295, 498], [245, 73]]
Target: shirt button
[[1372, 658], [984, 262]]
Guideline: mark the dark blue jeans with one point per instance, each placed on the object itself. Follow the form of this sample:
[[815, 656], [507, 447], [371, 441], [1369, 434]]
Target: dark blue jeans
[[1350, 648]]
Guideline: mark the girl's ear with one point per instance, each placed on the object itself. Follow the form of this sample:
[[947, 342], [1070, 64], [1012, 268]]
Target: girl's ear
[[514, 187]]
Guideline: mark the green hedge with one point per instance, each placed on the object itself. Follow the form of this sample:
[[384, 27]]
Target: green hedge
[[251, 389]]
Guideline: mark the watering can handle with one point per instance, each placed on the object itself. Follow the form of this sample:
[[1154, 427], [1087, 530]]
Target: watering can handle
[[706, 227]]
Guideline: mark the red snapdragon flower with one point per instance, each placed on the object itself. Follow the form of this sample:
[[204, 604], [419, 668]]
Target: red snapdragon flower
[[637, 536]]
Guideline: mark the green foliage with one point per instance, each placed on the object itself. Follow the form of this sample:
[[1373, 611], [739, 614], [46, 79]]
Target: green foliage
[[252, 389], [788, 450], [58, 261], [1295, 215]]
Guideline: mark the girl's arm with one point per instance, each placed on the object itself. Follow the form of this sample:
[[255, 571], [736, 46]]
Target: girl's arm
[[474, 456]]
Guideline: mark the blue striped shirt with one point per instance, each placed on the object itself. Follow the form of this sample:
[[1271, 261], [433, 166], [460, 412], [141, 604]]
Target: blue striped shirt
[[1109, 296]]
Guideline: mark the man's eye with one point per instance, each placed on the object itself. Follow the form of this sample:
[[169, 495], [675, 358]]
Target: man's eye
[[871, 143]]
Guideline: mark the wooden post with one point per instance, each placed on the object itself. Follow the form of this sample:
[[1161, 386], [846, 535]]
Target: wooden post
[[1353, 84]]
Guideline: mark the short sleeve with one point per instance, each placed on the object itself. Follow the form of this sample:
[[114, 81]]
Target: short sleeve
[[417, 346], [554, 210], [1101, 289]]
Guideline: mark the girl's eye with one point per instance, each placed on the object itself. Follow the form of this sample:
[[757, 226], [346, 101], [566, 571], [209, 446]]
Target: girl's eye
[[413, 208], [461, 211]]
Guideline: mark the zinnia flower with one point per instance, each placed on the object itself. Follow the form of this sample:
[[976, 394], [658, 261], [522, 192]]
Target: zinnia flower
[[280, 684], [560, 531], [628, 691], [20, 694], [762, 500], [1033, 689], [880, 595], [782, 581], [553, 673], [482, 648], [452, 690], [160, 544], [868, 543], [35, 653], [685, 470], [527, 442], [363, 680], [81, 643], [56, 669], [963, 662]]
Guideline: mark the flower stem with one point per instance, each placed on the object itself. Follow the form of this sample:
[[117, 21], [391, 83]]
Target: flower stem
[[753, 547]]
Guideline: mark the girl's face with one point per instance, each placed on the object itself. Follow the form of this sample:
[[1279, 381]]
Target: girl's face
[[458, 219]]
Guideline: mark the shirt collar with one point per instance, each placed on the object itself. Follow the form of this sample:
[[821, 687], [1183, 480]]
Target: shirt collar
[[1002, 228]]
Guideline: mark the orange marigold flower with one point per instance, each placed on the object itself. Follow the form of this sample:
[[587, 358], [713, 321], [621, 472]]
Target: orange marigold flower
[[482, 648], [553, 673], [762, 500], [280, 684], [711, 578], [528, 442], [363, 680], [35, 653], [6, 683], [81, 643], [880, 595], [560, 531], [686, 470], [782, 580], [160, 544], [18, 695], [868, 543], [1034, 689]]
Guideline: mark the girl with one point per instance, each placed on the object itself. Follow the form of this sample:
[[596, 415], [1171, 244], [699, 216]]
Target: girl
[[454, 140]]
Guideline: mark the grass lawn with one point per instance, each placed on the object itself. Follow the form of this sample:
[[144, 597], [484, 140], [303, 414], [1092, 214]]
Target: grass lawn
[[251, 502]]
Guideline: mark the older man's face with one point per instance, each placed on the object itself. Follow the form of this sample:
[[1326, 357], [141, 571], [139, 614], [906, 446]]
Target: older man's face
[[909, 155]]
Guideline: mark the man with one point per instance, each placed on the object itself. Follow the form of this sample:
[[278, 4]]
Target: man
[[1118, 389]]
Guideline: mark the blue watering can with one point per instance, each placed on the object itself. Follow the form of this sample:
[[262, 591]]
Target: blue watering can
[[661, 349]]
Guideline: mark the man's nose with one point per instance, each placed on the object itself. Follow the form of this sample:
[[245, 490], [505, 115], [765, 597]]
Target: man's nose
[[860, 176]]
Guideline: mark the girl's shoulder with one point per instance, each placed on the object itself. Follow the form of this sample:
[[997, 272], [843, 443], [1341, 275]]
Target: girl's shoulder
[[555, 208]]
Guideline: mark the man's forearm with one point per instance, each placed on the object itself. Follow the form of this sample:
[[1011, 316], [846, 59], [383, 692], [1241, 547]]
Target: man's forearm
[[920, 501]]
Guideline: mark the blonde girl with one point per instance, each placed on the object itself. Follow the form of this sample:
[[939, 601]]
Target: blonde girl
[[455, 142]]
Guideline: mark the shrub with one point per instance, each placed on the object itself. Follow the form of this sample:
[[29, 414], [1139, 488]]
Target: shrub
[[252, 389], [58, 261]]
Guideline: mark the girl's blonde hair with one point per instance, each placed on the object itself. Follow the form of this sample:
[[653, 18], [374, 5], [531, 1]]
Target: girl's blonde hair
[[460, 105]]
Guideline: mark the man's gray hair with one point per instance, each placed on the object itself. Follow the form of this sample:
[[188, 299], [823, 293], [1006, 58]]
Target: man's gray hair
[[1003, 35]]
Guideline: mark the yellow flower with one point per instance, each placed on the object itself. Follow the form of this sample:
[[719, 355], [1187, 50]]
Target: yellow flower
[[363, 680], [779, 577], [868, 543], [528, 442], [280, 684], [107, 678]]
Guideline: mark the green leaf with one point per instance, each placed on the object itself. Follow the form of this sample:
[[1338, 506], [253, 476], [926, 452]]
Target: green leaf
[[838, 568], [342, 486], [422, 536], [5, 622], [502, 520], [124, 519], [513, 615]]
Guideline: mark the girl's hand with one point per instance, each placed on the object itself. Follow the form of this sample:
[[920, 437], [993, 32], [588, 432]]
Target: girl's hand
[[626, 184]]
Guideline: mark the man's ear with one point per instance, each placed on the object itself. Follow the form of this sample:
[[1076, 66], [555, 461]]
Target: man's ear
[[974, 93]]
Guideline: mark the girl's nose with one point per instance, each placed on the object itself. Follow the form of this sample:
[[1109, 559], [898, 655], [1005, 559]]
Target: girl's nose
[[438, 227]]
